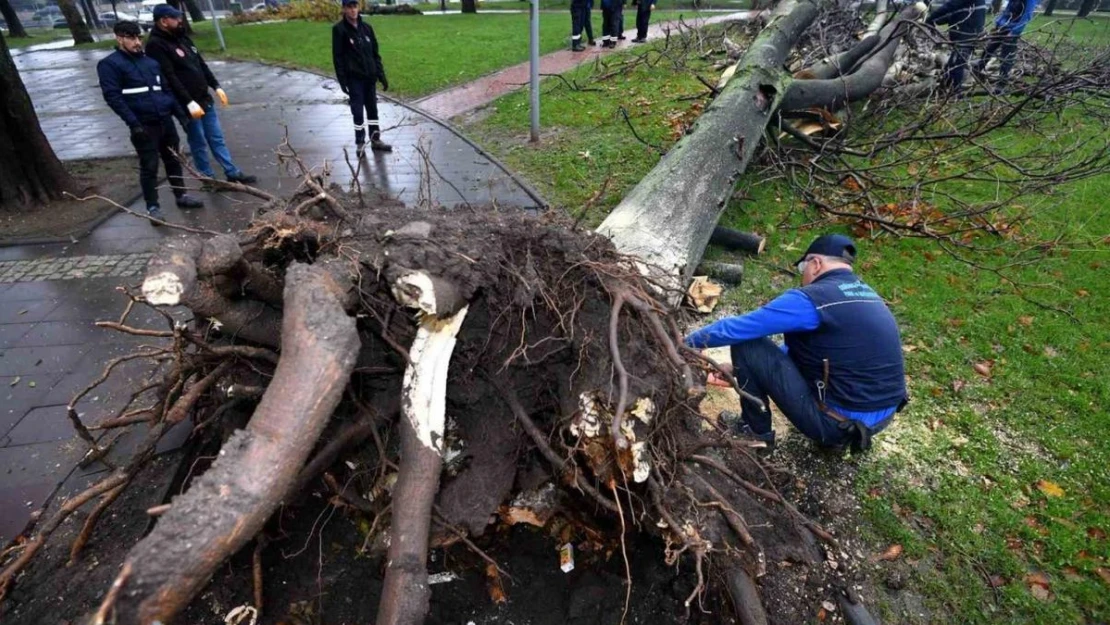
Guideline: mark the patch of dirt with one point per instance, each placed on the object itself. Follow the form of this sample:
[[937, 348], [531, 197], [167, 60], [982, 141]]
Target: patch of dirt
[[113, 178]]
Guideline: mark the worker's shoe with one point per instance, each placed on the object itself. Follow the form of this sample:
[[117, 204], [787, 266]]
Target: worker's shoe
[[639, 40], [577, 47], [378, 145], [360, 150], [186, 201], [736, 424], [156, 213], [242, 178]]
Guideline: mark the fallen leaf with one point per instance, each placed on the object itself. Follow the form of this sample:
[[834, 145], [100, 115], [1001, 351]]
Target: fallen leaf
[[892, 552], [1104, 574], [1072, 574], [821, 615], [1025, 320], [15, 381], [1083, 293], [1050, 351], [997, 581], [958, 385], [1040, 592], [32, 384], [1096, 533], [983, 368], [1050, 489]]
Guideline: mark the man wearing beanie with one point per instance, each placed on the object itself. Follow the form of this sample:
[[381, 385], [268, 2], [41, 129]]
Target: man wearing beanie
[[132, 86], [839, 378], [190, 79]]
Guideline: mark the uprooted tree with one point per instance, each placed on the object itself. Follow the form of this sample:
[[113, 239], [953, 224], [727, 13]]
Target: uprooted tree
[[512, 342]]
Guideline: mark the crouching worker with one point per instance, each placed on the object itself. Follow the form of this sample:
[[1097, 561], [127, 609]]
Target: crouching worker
[[839, 377], [132, 86]]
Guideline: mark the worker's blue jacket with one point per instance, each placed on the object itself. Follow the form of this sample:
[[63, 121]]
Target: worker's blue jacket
[[1016, 15], [132, 87], [837, 322]]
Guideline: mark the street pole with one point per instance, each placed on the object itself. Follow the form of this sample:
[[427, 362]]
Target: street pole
[[219, 33], [534, 79]]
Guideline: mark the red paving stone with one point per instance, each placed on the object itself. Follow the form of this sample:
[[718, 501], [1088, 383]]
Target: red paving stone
[[465, 98]]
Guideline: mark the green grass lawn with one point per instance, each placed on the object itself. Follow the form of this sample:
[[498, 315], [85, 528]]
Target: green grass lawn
[[998, 487], [555, 5], [37, 36], [422, 55]]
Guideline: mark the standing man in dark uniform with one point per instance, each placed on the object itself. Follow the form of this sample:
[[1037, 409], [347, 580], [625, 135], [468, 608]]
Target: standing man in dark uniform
[[358, 68], [643, 17], [840, 376], [965, 20], [132, 86]]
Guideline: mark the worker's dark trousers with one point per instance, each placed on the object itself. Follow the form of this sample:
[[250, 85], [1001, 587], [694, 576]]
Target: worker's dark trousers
[[578, 12], [587, 23], [161, 141], [764, 370], [643, 16], [1000, 38], [610, 20], [364, 98], [956, 67]]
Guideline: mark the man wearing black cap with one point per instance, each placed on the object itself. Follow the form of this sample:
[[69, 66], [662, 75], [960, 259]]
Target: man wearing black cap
[[839, 378], [358, 69], [132, 86], [189, 78]]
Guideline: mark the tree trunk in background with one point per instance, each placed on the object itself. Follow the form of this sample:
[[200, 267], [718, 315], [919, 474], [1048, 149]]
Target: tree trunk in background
[[1049, 7], [469, 6], [195, 12], [1086, 7], [77, 25], [30, 172], [15, 27]]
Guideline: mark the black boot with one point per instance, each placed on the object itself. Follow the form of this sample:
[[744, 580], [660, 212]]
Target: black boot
[[377, 145]]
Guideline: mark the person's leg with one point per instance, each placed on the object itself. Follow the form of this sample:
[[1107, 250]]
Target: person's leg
[[1006, 55], [620, 20], [357, 87], [576, 25], [957, 66], [763, 370], [168, 144], [198, 145], [215, 135], [373, 126], [642, 15], [147, 150], [994, 40], [588, 23], [606, 25]]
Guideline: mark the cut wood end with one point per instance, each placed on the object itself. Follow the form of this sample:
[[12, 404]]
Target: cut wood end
[[163, 289], [415, 290], [425, 384]]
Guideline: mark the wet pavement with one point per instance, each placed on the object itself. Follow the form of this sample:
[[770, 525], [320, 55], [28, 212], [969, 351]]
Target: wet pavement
[[51, 295]]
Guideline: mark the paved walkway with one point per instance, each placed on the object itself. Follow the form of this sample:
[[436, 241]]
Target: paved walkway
[[472, 95], [51, 295]]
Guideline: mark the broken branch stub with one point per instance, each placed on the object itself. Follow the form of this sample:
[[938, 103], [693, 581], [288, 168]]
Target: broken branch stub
[[405, 591], [229, 504]]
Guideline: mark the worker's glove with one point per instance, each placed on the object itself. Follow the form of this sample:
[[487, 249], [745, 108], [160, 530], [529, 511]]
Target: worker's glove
[[222, 96], [385, 82], [345, 89], [138, 134], [195, 111]]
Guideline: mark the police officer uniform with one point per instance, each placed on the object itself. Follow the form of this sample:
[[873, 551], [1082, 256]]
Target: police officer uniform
[[358, 68]]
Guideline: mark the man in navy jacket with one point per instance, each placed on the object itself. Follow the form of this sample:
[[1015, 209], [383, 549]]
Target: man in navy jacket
[[132, 86], [359, 69], [840, 376], [965, 20]]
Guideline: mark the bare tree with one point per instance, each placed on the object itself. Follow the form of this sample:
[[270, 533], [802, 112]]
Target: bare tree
[[15, 26], [1086, 7], [77, 25], [469, 6], [30, 173]]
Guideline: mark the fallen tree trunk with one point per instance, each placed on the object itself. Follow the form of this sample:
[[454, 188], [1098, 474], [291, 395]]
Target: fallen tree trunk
[[227, 506]]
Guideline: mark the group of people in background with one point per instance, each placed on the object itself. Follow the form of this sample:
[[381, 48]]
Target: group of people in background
[[966, 20], [612, 22], [151, 85]]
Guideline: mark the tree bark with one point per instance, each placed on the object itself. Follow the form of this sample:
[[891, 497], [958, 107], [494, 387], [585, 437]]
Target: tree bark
[[77, 26], [1049, 7], [30, 172], [195, 12], [15, 27], [668, 217], [469, 6], [835, 92], [223, 510], [1086, 7], [882, 12]]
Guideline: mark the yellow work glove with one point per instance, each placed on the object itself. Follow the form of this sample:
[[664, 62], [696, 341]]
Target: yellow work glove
[[222, 96], [195, 111]]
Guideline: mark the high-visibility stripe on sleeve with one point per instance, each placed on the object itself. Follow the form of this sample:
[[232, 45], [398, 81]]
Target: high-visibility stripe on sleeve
[[135, 90]]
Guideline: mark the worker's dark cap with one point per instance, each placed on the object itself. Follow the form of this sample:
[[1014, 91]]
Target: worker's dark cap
[[348, 3], [127, 28], [165, 10], [835, 245]]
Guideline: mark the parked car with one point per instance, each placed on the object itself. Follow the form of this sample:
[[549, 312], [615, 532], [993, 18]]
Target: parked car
[[109, 18], [60, 22], [46, 14], [146, 13]]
